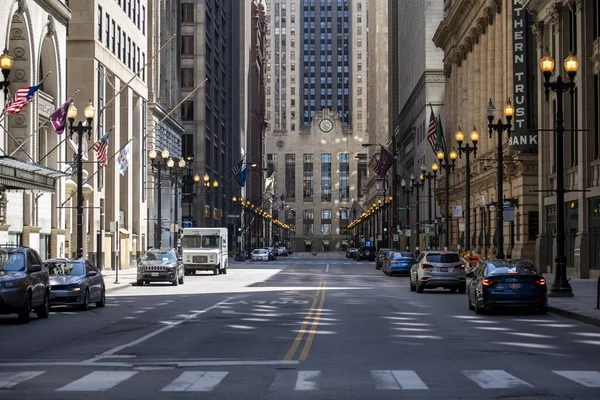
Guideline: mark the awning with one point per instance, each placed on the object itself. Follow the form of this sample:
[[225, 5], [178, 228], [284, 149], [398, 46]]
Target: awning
[[21, 175]]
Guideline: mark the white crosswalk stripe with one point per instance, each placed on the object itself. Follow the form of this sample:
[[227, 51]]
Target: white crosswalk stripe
[[196, 381], [585, 378], [285, 380], [494, 379], [11, 379], [98, 381]]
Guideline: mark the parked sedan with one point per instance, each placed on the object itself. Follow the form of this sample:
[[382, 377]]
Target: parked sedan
[[501, 283], [350, 252], [434, 269], [381, 255], [398, 262], [260, 255], [75, 282], [366, 253], [161, 266]]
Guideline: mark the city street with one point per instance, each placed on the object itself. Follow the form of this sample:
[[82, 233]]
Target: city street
[[302, 327]]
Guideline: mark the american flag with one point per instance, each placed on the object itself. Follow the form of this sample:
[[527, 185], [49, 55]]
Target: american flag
[[23, 96], [432, 131], [101, 150], [280, 203]]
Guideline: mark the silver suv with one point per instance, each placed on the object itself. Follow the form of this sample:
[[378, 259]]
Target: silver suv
[[24, 283], [434, 269]]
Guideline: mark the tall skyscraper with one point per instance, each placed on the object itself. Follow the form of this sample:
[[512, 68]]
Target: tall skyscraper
[[316, 109]]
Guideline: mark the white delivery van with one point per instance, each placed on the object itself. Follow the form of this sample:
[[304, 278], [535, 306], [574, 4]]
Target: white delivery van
[[204, 249]]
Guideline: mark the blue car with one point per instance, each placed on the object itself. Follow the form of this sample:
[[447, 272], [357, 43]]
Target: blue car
[[398, 262], [501, 283]]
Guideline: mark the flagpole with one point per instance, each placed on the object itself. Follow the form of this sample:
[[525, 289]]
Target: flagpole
[[136, 74], [174, 109], [98, 170]]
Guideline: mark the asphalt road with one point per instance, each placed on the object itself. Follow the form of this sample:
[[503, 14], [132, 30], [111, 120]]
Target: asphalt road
[[302, 327]]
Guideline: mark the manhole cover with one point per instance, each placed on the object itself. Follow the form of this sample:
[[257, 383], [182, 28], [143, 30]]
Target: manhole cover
[[153, 367], [116, 356]]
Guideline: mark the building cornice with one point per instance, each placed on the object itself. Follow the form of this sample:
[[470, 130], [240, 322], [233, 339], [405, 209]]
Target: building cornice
[[57, 9]]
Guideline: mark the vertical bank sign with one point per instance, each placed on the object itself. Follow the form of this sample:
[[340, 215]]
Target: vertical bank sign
[[522, 138]]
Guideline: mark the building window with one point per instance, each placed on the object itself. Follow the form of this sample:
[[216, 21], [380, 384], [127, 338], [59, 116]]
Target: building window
[[139, 10], [187, 13], [144, 20], [129, 52], [133, 13], [133, 56], [359, 115], [107, 31], [358, 6], [112, 37], [359, 90], [139, 59], [271, 163], [359, 102], [187, 45], [187, 111], [129, 8], [124, 49], [308, 222], [326, 177], [144, 67], [187, 77], [359, 55], [359, 19], [359, 127], [344, 160], [119, 42], [359, 78], [100, 15], [290, 177], [359, 43], [308, 177], [362, 174], [597, 116], [326, 222], [359, 67]]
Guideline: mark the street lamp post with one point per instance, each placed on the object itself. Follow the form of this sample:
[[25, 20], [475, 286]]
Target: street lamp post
[[561, 286], [159, 166], [407, 190], [176, 173], [417, 184], [467, 149], [500, 127], [447, 163], [430, 176], [6, 64], [80, 130]]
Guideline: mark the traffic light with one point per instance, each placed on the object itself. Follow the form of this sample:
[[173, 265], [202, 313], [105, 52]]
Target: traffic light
[[385, 229], [239, 229]]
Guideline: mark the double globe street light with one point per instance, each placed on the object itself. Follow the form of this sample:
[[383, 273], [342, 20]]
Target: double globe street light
[[447, 163], [467, 149]]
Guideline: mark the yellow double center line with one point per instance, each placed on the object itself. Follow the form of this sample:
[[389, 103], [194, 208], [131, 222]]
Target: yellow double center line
[[312, 317]]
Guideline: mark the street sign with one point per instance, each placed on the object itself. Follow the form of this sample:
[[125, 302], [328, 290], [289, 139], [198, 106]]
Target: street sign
[[403, 208], [395, 237], [509, 213], [232, 216], [407, 233], [461, 225]]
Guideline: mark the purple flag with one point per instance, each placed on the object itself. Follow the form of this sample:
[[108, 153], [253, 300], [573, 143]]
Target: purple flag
[[59, 117]]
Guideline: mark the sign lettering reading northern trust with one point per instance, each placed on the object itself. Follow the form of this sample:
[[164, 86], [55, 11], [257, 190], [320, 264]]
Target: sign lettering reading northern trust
[[521, 138]]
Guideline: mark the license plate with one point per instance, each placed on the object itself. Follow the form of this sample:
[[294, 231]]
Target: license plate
[[154, 274], [514, 286], [444, 269]]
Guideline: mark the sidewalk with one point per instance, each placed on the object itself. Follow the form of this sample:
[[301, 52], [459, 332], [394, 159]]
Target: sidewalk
[[582, 306], [127, 277]]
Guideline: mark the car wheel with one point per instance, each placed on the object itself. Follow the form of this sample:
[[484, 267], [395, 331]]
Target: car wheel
[[420, 287], [462, 289], [470, 304], [175, 281], [224, 270], [140, 282], [43, 311], [412, 285], [479, 310], [542, 310], [181, 280], [24, 313], [377, 266], [216, 271], [102, 301], [86, 300]]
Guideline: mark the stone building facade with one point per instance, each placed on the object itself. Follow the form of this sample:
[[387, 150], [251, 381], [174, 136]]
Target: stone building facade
[[477, 39], [32, 186], [563, 27]]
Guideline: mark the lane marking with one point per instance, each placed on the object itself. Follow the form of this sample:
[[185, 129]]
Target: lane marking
[[384, 380], [409, 380], [494, 379], [585, 378], [305, 323], [313, 329], [327, 269], [196, 381], [97, 381], [157, 332], [11, 379], [307, 380]]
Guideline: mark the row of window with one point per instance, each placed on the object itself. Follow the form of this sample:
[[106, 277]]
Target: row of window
[[136, 12], [117, 41], [308, 217]]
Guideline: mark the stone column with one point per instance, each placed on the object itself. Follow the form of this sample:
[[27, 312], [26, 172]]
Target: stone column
[[483, 93], [490, 77]]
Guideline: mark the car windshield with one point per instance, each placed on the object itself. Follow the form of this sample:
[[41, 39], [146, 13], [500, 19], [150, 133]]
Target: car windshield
[[191, 242], [399, 256], [211, 242], [159, 256], [520, 268], [12, 261], [259, 251], [65, 268], [443, 257]]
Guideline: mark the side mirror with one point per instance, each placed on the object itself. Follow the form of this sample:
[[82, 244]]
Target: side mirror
[[92, 273], [470, 274], [35, 268]]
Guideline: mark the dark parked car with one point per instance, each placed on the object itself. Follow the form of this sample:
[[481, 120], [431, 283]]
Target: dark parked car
[[160, 266], [350, 252], [501, 283], [24, 283], [381, 255], [366, 253], [75, 282], [398, 262]]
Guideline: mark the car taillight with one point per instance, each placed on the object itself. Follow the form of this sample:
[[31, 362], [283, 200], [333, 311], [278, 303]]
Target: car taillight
[[541, 281], [460, 266], [425, 266], [488, 282], [394, 262]]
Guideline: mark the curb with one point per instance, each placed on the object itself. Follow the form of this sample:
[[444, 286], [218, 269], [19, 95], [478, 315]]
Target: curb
[[575, 316], [120, 287]]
